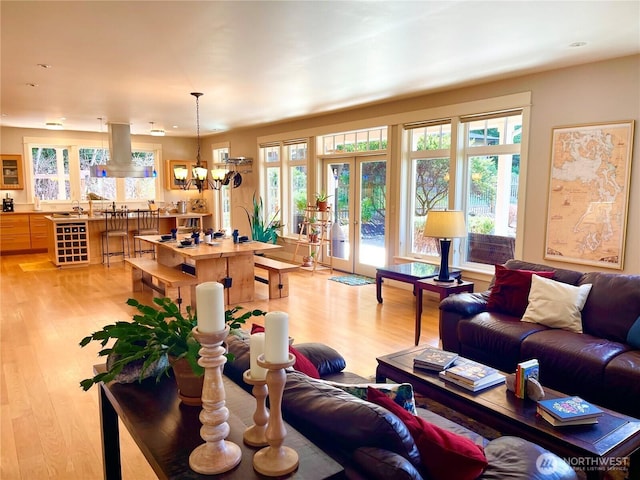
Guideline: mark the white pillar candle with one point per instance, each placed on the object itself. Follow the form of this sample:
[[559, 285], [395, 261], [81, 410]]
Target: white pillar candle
[[276, 338], [210, 307], [256, 348]]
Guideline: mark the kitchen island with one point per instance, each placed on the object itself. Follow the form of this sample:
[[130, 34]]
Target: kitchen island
[[75, 240]]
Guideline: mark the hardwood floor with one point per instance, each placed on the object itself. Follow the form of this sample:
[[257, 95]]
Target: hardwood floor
[[50, 427]]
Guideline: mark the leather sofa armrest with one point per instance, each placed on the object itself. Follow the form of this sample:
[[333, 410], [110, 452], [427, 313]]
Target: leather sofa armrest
[[379, 464], [453, 309]]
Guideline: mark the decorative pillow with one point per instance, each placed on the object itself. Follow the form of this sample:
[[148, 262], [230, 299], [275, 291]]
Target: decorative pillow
[[303, 364], [400, 393], [556, 304], [444, 454], [511, 290], [633, 337]]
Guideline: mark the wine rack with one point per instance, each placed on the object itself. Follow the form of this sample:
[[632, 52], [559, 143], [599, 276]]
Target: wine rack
[[72, 243]]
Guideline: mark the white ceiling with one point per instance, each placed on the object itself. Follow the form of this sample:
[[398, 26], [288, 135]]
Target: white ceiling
[[260, 62]]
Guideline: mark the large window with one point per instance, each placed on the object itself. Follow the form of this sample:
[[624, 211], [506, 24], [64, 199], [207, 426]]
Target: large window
[[284, 167], [491, 177], [61, 172], [478, 174], [430, 145], [220, 156]]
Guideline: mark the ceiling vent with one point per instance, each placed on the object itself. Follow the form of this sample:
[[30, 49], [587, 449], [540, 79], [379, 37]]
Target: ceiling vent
[[120, 164]]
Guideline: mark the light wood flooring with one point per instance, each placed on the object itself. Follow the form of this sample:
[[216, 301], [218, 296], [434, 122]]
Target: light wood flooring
[[50, 428]]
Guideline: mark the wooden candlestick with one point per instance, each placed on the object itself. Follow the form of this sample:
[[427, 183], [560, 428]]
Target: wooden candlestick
[[256, 434], [276, 459], [216, 455]]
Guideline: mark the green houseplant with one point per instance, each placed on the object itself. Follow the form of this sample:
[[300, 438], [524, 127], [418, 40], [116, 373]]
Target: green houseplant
[[153, 335], [261, 229]]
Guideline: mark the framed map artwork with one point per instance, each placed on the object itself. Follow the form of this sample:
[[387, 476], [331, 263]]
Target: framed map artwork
[[589, 194]]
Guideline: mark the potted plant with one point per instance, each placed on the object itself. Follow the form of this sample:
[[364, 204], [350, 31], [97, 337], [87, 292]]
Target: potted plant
[[321, 201], [262, 230], [156, 340]]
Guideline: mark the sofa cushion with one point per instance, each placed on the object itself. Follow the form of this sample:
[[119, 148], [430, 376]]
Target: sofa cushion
[[327, 360], [445, 455], [517, 459], [571, 362], [494, 338], [556, 304], [400, 393], [633, 337], [337, 419], [572, 277], [611, 292], [510, 291], [622, 383]]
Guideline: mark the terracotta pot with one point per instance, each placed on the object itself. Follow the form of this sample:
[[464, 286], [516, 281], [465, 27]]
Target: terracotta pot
[[322, 205], [189, 384]]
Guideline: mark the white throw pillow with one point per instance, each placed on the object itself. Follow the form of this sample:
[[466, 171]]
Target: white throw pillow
[[556, 304]]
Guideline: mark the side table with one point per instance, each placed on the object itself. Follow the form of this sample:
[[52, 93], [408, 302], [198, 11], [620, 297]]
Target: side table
[[444, 289], [408, 273]]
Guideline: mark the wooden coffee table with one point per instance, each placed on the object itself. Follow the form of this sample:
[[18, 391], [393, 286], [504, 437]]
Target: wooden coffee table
[[167, 432], [614, 436]]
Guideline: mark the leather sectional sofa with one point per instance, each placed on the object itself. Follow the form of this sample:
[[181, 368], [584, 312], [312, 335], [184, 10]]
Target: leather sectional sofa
[[370, 441], [598, 364]]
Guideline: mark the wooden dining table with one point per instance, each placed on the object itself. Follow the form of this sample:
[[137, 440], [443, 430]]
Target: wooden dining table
[[218, 261]]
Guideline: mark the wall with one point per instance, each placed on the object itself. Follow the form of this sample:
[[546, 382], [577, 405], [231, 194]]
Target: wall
[[592, 93]]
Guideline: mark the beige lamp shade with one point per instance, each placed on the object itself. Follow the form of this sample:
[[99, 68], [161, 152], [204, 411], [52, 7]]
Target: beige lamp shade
[[180, 173], [445, 224], [200, 173]]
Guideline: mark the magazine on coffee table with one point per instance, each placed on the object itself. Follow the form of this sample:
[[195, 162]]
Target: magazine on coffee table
[[435, 359]]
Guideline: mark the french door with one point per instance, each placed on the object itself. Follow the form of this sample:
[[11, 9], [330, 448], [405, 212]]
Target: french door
[[358, 188]]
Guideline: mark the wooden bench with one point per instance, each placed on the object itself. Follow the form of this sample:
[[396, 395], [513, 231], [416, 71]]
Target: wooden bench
[[161, 278], [278, 280]]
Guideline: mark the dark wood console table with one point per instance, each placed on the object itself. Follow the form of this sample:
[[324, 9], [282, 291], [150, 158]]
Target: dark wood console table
[[167, 432]]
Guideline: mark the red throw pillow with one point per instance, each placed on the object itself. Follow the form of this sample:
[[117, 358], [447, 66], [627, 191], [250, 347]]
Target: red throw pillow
[[444, 454], [510, 293], [303, 364]]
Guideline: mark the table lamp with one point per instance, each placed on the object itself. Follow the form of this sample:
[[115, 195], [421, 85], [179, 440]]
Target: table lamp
[[445, 225]]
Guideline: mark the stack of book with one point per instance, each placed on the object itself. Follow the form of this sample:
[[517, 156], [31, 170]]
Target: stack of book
[[473, 376], [434, 359], [567, 411], [525, 371]]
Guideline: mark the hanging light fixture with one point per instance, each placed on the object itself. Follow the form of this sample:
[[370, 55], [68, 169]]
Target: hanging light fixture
[[199, 174], [156, 132]]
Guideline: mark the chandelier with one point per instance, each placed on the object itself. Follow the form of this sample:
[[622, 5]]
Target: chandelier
[[199, 173]]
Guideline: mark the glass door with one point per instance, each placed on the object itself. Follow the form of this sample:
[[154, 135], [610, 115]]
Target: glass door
[[358, 202]]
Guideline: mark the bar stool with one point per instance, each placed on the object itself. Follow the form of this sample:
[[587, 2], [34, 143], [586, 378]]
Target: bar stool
[[148, 224], [116, 226]]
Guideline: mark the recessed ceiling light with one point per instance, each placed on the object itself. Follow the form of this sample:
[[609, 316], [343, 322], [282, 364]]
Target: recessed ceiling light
[[32, 85], [44, 65], [54, 126], [577, 44]]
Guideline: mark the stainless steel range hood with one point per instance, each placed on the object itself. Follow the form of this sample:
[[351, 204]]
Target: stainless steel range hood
[[120, 164]]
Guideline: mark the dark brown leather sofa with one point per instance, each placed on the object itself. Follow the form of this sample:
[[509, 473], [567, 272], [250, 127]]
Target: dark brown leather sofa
[[597, 364], [368, 440]]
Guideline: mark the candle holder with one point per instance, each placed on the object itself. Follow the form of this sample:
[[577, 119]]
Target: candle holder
[[256, 434], [216, 455], [276, 459]]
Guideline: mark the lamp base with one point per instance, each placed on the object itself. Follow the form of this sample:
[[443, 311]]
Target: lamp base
[[444, 279]]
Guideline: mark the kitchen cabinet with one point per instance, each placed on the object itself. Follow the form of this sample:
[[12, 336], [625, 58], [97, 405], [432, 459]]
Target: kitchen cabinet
[[14, 232], [11, 175], [39, 227]]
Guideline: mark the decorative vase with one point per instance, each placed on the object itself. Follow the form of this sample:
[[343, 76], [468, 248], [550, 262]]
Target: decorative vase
[[189, 384]]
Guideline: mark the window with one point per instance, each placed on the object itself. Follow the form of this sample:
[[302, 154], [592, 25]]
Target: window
[[220, 156], [285, 174], [484, 182], [430, 145], [356, 141], [61, 172], [51, 173], [491, 178]]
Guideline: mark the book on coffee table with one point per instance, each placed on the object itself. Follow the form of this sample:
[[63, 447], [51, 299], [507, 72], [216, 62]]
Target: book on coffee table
[[565, 423], [569, 409], [470, 372], [434, 359], [496, 378]]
